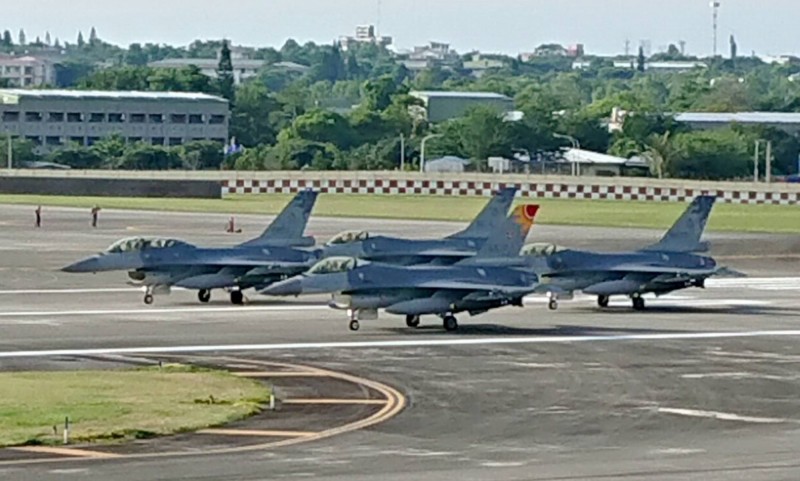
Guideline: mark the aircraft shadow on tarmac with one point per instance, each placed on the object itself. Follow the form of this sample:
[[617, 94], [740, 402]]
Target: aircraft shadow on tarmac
[[561, 330]]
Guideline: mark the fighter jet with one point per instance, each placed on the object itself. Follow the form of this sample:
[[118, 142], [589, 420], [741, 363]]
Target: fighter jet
[[362, 287], [447, 251], [161, 264], [667, 266]]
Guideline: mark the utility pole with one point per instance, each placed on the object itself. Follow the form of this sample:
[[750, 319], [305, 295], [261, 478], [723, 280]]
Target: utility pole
[[755, 161], [768, 168]]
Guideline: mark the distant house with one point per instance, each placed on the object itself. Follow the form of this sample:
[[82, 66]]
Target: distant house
[[442, 106], [586, 162], [27, 71], [449, 164]]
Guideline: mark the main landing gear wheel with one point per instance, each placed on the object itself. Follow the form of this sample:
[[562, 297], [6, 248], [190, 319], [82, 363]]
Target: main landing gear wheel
[[638, 303], [237, 298], [354, 325], [204, 295], [602, 301], [450, 323], [148, 299], [552, 304], [412, 321]]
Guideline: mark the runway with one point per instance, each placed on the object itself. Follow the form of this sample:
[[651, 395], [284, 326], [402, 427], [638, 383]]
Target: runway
[[704, 385]]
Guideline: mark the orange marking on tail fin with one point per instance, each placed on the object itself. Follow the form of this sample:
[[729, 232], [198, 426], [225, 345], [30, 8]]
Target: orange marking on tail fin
[[524, 215]]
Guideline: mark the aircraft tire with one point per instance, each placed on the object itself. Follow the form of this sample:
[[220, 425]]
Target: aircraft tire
[[638, 303], [412, 321], [602, 301], [204, 295], [354, 325], [237, 298], [148, 299], [552, 304], [450, 323]]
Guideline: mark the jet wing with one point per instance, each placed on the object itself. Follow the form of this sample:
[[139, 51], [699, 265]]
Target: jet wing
[[658, 270], [470, 286]]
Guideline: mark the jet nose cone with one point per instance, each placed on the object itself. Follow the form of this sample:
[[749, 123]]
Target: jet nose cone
[[289, 287], [84, 265]]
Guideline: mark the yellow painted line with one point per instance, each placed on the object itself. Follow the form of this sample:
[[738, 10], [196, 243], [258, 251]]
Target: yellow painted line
[[334, 401], [279, 374], [81, 453], [256, 432], [395, 403]]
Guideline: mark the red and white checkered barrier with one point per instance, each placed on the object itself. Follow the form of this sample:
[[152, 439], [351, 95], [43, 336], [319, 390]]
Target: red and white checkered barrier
[[542, 189]]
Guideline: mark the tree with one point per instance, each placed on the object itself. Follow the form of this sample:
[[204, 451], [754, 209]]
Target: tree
[[136, 55], [660, 154], [150, 157], [111, 149], [202, 155], [734, 48], [322, 127], [225, 77], [256, 115], [378, 93], [77, 157], [8, 42], [22, 39], [640, 60], [712, 155], [81, 41], [93, 39], [47, 38], [480, 134], [353, 68]]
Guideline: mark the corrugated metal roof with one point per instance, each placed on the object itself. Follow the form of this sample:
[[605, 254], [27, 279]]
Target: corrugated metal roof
[[462, 95], [740, 117], [109, 95], [206, 63]]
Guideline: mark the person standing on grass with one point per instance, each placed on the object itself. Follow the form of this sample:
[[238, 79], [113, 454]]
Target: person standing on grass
[[38, 213], [95, 214]]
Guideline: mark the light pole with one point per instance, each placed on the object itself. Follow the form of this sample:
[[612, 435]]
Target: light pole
[[402, 152], [10, 151], [422, 150], [575, 145]]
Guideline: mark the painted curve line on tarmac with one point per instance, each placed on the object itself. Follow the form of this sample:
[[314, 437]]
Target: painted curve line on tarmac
[[686, 336], [395, 402]]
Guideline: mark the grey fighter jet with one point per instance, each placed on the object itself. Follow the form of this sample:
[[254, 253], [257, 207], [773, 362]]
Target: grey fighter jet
[[447, 251], [667, 266], [362, 287], [160, 264]]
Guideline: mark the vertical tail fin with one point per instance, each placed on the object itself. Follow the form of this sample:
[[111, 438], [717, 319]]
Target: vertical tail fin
[[685, 234], [288, 227], [507, 241], [491, 217]]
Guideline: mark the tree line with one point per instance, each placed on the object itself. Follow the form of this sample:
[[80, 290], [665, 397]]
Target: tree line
[[349, 109]]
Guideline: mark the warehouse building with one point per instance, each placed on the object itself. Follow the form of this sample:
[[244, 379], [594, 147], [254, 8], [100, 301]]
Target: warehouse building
[[53, 118], [441, 106]]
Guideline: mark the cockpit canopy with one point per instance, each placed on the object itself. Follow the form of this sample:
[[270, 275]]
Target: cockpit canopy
[[541, 250], [348, 237], [134, 244], [333, 265]]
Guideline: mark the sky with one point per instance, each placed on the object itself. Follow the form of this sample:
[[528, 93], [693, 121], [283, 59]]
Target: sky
[[768, 27]]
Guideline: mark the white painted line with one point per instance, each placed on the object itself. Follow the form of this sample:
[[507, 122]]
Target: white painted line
[[696, 413], [688, 336], [172, 310], [15, 292]]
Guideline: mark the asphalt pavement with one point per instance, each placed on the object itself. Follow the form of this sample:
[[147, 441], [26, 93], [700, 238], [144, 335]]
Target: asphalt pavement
[[703, 385]]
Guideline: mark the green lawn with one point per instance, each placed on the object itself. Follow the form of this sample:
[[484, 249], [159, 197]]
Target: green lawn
[[121, 404], [726, 217]]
